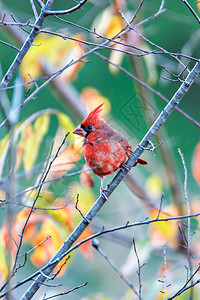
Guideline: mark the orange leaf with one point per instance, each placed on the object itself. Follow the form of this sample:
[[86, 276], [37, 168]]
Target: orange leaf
[[86, 248], [45, 251], [64, 215], [196, 163], [3, 259], [92, 98]]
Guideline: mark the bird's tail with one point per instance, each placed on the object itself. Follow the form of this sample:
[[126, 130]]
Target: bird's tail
[[141, 162]]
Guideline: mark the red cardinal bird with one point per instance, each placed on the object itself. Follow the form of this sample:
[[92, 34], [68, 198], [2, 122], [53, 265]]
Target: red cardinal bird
[[105, 149]]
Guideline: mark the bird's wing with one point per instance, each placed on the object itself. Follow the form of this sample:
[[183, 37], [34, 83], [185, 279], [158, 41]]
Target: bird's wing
[[117, 136]]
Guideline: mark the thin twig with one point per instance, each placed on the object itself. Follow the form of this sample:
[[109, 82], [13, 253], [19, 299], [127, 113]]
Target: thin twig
[[192, 10], [95, 244], [76, 206], [160, 207], [33, 248], [67, 11], [165, 274], [67, 292], [7, 44], [152, 148], [40, 3], [34, 9], [139, 271], [185, 287], [189, 266], [58, 271]]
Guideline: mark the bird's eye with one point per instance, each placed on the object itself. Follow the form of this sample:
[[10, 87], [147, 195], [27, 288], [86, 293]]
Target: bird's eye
[[89, 127]]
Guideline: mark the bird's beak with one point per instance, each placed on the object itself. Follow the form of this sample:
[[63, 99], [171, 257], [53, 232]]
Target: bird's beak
[[79, 131]]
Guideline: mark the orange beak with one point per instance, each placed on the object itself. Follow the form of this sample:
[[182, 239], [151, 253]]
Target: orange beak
[[79, 131]]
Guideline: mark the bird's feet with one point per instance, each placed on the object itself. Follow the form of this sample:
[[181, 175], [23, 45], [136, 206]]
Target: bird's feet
[[103, 194], [124, 167]]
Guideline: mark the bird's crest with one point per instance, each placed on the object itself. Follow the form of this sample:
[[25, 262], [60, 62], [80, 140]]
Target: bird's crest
[[93, 115]]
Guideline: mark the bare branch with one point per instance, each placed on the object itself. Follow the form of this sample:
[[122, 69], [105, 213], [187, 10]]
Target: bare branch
[[34, 9], [152, 147], [189, 266], [7, 44], [18, 59], [65, 293], [185, 287], [76, 206], [160, 208], [67, 11], [33, 248], [139, 271], [95, 244], [40, 3], [50, 181], [192, 10], [164, 281]]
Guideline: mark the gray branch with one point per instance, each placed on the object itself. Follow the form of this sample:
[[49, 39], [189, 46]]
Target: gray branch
[[26, 46], [114, 183]]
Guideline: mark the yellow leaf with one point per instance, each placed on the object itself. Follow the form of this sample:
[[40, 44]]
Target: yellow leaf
[[56, 51], [108, 24], [66, 123], [115, 26], [32, 145], [164, 231], [3, 259], [41, 125], [31, 62], [3, 143], [154, 186]]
